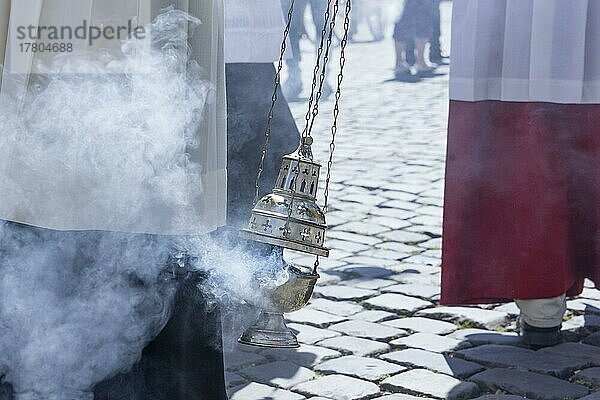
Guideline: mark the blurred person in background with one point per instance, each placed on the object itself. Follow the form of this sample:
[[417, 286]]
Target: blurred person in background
[[436, 55], [292, 87], [416, 25], [521, 213], [371, 13]]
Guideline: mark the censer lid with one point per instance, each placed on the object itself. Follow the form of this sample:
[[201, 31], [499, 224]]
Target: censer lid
[[290, 217]]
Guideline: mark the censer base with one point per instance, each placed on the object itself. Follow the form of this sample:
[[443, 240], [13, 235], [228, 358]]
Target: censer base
[[270, 331]]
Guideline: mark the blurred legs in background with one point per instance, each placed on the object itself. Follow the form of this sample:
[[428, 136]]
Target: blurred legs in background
[[414, 26], [292, 87]]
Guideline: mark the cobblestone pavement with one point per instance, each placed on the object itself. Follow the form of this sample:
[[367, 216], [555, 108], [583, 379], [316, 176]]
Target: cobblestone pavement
[[374, 329]]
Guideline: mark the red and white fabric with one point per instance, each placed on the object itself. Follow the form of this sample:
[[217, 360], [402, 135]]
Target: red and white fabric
[[522, 198]]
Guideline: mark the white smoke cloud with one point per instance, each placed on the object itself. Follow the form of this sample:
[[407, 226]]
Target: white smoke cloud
[[87, 119], [78, 307]]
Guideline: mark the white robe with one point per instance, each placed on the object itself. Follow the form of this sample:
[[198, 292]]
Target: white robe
[[253, 31], [206, 210], [526, 50]]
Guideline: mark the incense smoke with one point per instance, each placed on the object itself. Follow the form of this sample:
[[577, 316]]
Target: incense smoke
[[78, 307]]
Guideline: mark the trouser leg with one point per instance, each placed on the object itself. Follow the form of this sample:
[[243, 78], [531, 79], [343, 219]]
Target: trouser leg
[[543, 313], [293, 85], [435, 47]]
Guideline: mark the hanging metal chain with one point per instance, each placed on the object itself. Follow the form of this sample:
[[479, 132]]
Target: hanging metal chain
[[312, 114], [319, 79], [336, 110], [338, 95], [315, 96], [274, 98]]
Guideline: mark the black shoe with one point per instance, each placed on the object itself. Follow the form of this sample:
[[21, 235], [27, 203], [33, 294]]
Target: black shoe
[[440, 61], [537, 338]]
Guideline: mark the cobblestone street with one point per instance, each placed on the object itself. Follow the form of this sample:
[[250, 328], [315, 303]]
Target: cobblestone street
[[374, 328]]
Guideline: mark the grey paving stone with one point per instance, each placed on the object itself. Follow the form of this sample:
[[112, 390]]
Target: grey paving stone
[[305, 356], [314, 317], [309, 261], [528, 384], [593, 339], [352, 247], [400, 396], [339, 387], [258, 391], [339, 292], [400, 248], [481, 336], [584, 305], [588, 293], [354, 345], [581, 351], [401, 204], [353, 237], [582, 321], [372, 284], [420, 381], [417, 274], [433, 211], [335, 307], [232, 379], [370, 369], [593, 396], [589, 375], [421, 324], [311, 335], [339, 255], [517, 357], [420, 258], [283, 374], [365, 260], [392, 212], [239, 359], [328, 279], [369, 330], [367, 271], [429, 342], [476, 316], [435, 243], [396, 195], [414, 289], [500, 397], [392, 223], [363, 228], [509, 308], [382, 253], [398, 303], [437, 362], [403, 236], [373, 315], [422, 219]]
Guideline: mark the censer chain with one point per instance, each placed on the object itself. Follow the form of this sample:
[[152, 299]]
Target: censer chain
[[319, 79], [336, 110], [319, 75], [274, 98]]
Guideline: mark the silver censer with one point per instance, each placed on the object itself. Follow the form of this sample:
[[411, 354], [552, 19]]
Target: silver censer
[[290, 218]]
